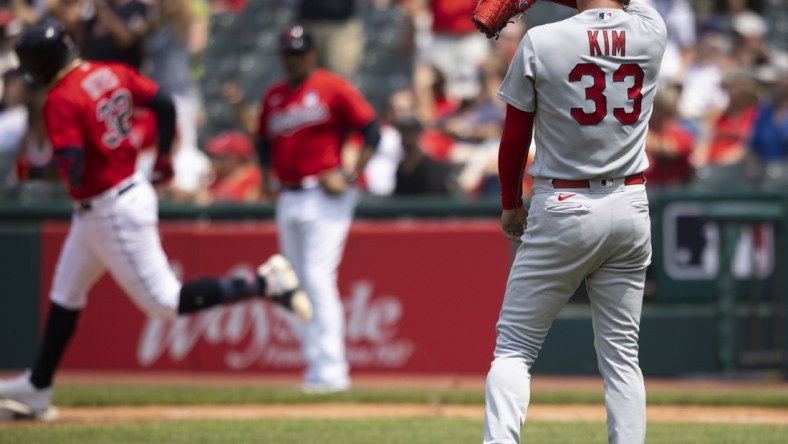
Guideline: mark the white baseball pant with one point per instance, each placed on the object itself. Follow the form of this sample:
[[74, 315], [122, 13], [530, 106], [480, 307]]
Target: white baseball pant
[[313, 228], [119, 234], [602, 235]]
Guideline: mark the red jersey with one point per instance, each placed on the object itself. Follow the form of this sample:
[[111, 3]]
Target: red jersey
[[308, 126], [91, 108], [730, 134], [453, 16]]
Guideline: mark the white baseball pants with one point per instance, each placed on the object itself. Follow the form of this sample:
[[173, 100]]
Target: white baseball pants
[[602, 235], [313, 228], [119, 234]]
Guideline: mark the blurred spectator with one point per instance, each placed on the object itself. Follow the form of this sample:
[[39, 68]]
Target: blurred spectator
[[476, 131], [379, 177], [702, 98], [10, 27], [505, 46], [13, 126], [727, 142], [769, 143], [680, 20], [433, 101], [199, 34], [233, 6], [246, 115], [107, 30], [420, 18], [169, 48], [668, 144], [480, 117], [36, 160], [458, 48], [237, 177], [339, 32], [30, 12], [750, 47], [418, 173], [725, 11]]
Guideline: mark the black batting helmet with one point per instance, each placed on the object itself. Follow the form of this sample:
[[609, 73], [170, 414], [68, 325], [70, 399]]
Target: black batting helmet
[[44, 50]]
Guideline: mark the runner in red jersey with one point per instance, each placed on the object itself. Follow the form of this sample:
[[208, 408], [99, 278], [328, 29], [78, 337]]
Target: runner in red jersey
[[115, 223], [304, 122], [112, 90]]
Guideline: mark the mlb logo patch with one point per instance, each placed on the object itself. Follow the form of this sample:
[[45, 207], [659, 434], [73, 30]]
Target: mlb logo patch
[[604, 15], [607, 182]]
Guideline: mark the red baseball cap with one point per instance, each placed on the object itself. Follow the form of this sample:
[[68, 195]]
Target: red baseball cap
[[231, 142]]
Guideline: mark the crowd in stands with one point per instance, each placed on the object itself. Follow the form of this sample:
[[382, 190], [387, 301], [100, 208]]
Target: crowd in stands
[[720, 118]]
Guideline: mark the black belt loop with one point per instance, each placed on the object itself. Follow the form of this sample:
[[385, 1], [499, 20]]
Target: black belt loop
[[126, 188]]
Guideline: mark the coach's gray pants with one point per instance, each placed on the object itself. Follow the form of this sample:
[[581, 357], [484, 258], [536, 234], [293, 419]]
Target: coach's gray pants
[[602, 235]]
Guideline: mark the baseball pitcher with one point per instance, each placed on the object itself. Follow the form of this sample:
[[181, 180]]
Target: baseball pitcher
[[114, 225], [584, 86]]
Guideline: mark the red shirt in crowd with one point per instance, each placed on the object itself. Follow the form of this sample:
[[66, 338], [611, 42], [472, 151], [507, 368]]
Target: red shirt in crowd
[[453, 16], [239, 186], [308, 126], [675, 169], [91, 108], [730, 135]]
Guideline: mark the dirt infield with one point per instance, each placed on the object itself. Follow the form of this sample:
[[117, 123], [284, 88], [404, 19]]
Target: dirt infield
[[118, 415], [121, 415]]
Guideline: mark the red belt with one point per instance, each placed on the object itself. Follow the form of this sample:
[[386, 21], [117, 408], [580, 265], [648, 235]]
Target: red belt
[[634, 179]]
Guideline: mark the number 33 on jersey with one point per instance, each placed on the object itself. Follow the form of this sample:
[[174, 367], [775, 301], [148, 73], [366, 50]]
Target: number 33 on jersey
[[593, 76], [108, 92]]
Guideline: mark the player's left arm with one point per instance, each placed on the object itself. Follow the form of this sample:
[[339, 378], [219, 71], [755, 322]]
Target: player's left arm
[[65, 133], [512, 157], [359, 114], [517, 90], [371, 135]]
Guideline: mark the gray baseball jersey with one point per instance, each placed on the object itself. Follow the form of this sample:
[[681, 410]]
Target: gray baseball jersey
[[590, 80], [600, 67]]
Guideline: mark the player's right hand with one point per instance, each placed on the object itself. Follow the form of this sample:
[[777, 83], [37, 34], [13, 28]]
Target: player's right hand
[[513, 223], [333, 182], [163, 171]]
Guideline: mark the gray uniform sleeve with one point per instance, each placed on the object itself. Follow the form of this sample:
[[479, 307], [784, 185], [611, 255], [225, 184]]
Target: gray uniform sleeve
[[517, 88], [650, 18]]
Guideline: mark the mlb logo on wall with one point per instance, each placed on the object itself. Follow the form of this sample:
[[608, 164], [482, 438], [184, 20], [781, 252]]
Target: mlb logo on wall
[[604, 15]]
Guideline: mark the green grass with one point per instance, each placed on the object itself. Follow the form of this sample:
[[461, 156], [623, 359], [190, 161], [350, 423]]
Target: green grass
[[394, 431], [78, 395]]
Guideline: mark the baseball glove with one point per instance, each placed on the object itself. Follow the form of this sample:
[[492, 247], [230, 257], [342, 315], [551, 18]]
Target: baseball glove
[[491, 16]]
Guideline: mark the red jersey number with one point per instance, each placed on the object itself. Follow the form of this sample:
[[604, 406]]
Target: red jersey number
[[115, 113], [596, 93]]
